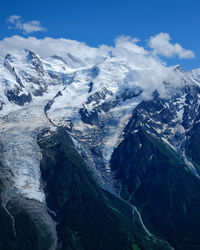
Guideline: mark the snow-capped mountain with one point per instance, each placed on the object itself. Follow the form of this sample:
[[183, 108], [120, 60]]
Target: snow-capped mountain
[[100, 106]]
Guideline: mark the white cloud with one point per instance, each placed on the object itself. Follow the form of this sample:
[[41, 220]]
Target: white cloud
[[126, 44], [161, 45], [16, 22]]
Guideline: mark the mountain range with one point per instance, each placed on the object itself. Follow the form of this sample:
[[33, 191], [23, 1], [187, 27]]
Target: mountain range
[[98, 153]]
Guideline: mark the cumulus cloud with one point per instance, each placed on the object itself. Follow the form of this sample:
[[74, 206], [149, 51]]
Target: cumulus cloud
[[161, 45], [126, 44], [16, 22]]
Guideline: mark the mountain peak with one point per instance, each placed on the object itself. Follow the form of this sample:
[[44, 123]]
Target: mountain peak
[[178, 68]]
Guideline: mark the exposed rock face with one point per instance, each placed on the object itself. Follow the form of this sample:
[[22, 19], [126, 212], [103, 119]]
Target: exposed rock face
[[14, 97]]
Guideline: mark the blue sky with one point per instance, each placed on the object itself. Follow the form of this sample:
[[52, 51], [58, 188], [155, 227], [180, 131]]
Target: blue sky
[[100, 22]]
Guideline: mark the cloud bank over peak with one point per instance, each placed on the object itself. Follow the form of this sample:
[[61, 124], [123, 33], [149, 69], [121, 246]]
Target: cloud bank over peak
[[147, 71], [161, 45], [124, 47], [48, 46], [137, 66], [16, 22]]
